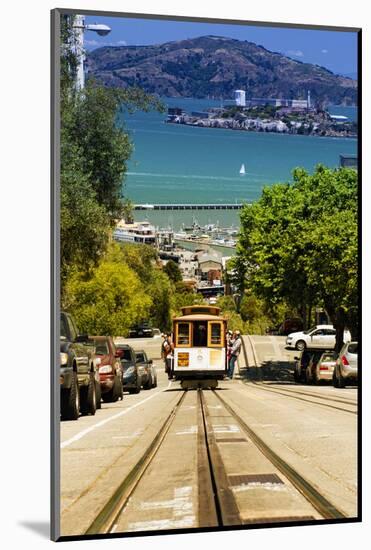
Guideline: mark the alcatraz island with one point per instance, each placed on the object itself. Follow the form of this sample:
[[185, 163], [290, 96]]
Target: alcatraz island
[[289, 116]]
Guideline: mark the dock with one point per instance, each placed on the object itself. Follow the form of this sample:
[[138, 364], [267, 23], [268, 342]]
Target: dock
[[233, 206]]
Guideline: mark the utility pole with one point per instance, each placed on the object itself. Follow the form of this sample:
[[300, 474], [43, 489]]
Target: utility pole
[[79, 27]]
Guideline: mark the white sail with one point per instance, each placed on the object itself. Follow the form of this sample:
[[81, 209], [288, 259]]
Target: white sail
[[242, 170]]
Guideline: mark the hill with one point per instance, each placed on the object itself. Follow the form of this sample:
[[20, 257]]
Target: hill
[[214, 66]]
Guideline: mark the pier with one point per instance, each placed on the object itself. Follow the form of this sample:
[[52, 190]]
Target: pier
[[235, 206]]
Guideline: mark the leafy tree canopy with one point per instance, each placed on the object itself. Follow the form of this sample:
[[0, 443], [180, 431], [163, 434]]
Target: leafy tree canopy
[[95, 148], [298, 243], [172, 271], [110, 301]]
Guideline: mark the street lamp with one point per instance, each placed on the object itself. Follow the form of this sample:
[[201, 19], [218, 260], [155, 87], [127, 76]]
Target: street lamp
[[80, 27]]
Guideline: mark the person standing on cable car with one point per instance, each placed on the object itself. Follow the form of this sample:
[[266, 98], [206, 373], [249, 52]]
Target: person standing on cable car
[[169, 355], [235, 352]]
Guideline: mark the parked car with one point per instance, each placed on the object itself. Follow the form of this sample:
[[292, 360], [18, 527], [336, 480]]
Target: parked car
[[346, 367], [301, 363], [142, 330], [132, 373], [321, 366], [110, 372], [149, 378], [320, 336], [293, 324], [79, 379]]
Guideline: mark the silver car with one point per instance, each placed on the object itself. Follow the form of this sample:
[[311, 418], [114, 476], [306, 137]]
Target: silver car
[[346, 367], [321, 367]]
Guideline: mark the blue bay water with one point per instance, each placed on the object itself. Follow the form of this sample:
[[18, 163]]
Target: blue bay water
[[183, 164]]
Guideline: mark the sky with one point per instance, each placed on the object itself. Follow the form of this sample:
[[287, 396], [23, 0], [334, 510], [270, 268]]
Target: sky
[[335, 50]]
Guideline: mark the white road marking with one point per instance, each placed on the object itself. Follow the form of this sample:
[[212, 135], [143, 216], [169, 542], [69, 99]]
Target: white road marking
[[83, 433], [275, 487], [225, 428], [181, 506], [187, 521], [131, 436], [190, 430]]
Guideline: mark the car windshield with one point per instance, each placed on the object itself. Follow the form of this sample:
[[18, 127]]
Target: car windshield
[[329, 357], [353, 348], [140, 357], [101, 347], [64, 328], [309, 330], [125, 355]]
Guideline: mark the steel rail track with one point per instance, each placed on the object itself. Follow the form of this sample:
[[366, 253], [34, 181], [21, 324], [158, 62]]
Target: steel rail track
[[252, 347], [217, 504], [227, 511], [314, 497], [289, 390], [287, 393], [108, 515]]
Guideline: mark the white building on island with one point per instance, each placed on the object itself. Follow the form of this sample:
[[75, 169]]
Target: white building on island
[[240, 98]]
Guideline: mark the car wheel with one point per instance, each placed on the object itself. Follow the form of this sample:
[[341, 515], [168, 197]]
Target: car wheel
[[300, 345], [340, 380], [334, 379], [88, 398], [98, 392], [70, 401], [114, 393], [118, 392], [308, 379], [148, 384], [316, 380]]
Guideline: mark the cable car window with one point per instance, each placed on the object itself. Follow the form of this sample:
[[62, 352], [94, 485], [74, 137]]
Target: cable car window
[[183, 334], [200, 334], [216, 333]]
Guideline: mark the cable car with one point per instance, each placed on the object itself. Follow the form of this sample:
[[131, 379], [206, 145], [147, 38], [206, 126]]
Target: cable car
[[200, 355]]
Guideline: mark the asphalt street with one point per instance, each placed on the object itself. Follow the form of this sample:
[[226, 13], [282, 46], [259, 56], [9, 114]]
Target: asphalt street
[[312, 428]]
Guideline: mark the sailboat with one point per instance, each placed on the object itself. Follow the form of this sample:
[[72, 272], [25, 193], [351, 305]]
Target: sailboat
[[242, 170]]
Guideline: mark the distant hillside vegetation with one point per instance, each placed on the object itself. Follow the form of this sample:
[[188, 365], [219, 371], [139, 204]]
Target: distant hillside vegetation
[[213, 66]]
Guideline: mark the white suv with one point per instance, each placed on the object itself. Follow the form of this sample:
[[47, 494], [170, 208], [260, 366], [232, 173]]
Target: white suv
[[320, 336]]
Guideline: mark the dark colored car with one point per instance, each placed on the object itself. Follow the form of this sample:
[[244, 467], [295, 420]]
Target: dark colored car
[[293, 324], [143, 330], [306, 358], [149, 376], [79, 380], [110, 372], [132, 373]]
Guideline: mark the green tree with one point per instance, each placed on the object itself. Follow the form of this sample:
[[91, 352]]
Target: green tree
[[84, 223], [172, 271], [298, 244], [183, 296], [110, 301], [95, 149], [160, 290], [141, 258], [99, 129]]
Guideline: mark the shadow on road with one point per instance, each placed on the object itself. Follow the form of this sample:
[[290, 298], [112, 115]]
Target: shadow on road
[[279, 372]]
